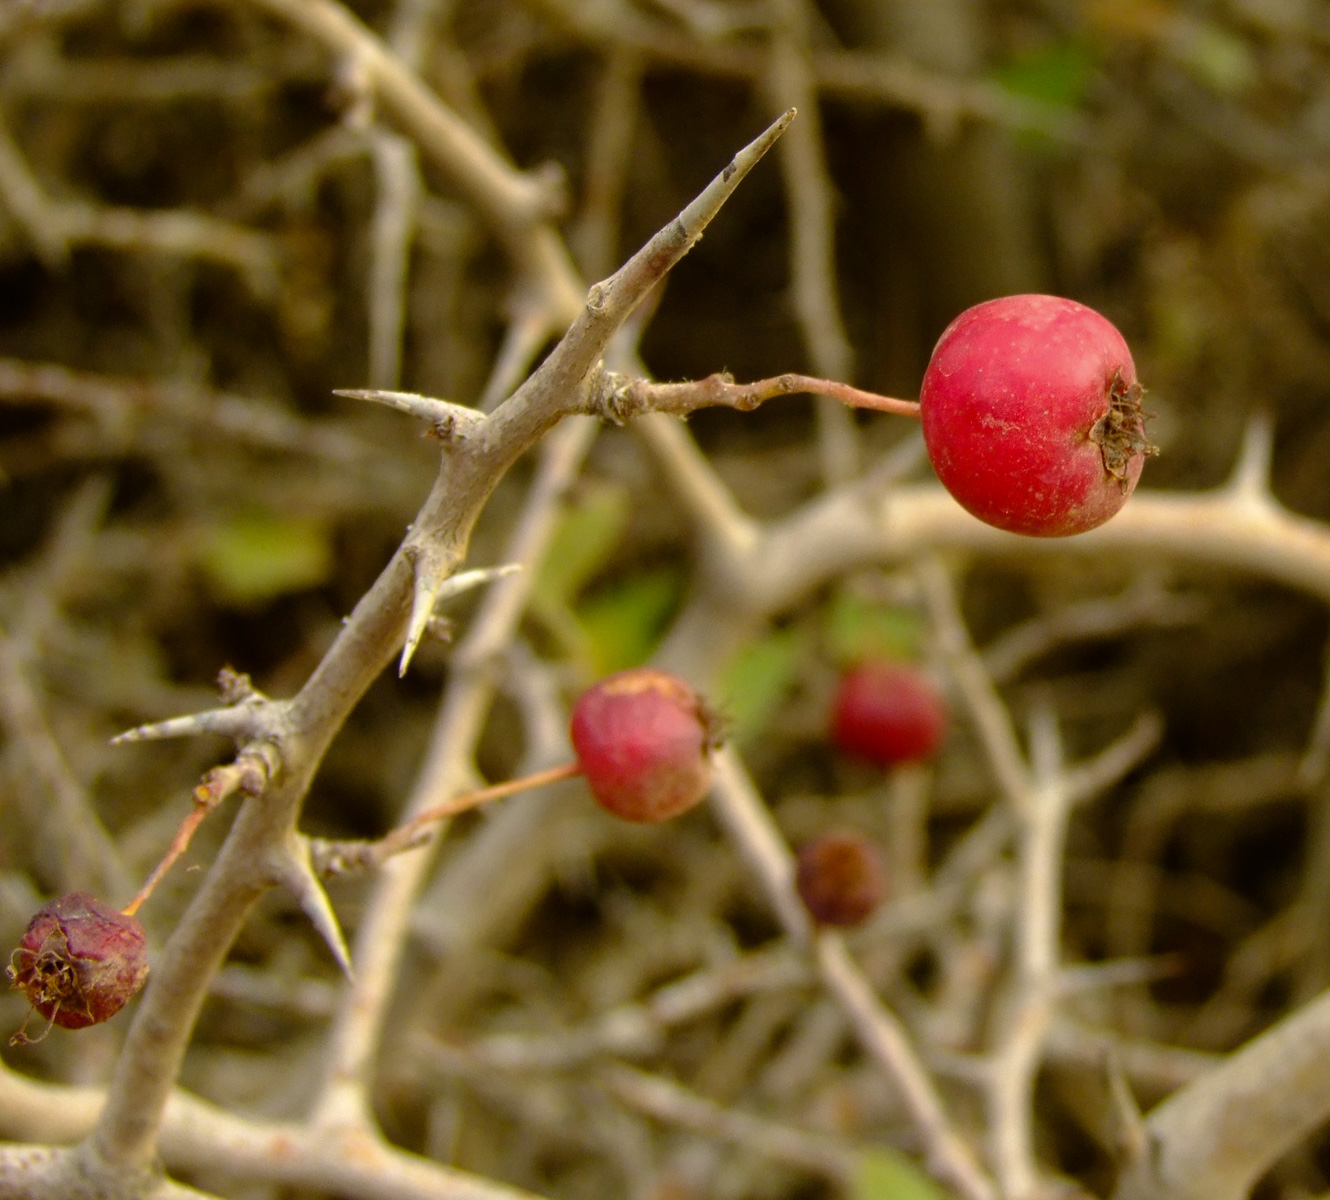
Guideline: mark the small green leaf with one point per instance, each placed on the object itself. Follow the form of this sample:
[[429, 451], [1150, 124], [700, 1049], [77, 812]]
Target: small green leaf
[[624, 621], [1058, 74], [857, 629], [253, 557], [586, 536], [887, 1175], [757, 680]]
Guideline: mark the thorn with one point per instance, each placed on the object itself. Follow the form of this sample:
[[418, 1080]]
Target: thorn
[[430, 591], [235, 721], [1133, 1135], [1250, 481], [464, 581], [423, 598], [449, 421], [295, 871]]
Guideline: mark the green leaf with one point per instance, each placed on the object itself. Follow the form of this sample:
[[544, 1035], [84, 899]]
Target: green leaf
[[587, 534], [624, 621], [1058, 74], [255, 556], [887, 1175], [756, 681], [857, 629]]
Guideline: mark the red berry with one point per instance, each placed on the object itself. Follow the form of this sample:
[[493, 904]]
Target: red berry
[[841, 879], [1032, 415], [643, 740], [80, 961], [888, 713]]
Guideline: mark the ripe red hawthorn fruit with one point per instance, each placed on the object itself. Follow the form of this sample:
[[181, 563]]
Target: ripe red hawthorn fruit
[[643, 739], [841, 879], [1032, 415], [79, 962], [888, 713]]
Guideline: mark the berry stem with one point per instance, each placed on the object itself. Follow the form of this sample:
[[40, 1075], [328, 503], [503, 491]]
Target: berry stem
[[624, 397], [179, 844], [248, 773], [344, 856], [469, 800]]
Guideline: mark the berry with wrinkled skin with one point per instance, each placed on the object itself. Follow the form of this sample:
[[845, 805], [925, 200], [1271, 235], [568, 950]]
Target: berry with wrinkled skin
[[1032, 415], [888, 713], [80, 961], [643, 739], [841, 879]]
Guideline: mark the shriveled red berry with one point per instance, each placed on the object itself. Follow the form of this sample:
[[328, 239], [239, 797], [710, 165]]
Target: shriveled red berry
[[841, 879], [888, 713], [80, 961], [643, 739], [1032, 415]]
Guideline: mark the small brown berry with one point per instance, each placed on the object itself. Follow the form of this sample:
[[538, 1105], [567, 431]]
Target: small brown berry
[[841, 879], [643, 739], [79, 963]]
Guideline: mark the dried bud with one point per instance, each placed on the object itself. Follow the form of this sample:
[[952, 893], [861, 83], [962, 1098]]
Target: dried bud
[[841, 879], [79, 963]]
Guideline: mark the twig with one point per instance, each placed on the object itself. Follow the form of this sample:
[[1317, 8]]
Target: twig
[[989, 714], [739, 809], [65, 818], [668, 1101], [791, 84], [392, 231], [1213, 1139], [1016, 1058], [637, 1030], [515, 206]]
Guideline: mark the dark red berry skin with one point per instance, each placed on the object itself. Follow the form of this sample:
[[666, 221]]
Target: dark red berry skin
[[888, 713], [1031, 415], [841, 879], [643, 740], [80, 961]]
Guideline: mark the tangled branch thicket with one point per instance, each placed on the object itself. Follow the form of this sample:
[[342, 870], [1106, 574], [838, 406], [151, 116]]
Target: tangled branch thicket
[[1102, 970]]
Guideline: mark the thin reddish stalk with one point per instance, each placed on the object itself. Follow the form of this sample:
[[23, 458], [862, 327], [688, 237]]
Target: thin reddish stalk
[[404, 836]]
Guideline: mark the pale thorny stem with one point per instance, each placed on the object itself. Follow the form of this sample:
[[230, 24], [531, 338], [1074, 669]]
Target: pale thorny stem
[[381, 939], [257, 850]]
